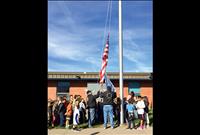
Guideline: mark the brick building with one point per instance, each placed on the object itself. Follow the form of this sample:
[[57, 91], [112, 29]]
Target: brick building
[[75, 83]]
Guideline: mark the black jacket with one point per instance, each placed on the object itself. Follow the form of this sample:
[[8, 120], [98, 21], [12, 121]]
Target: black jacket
[[91, 100], [108, 97], [62, 108]]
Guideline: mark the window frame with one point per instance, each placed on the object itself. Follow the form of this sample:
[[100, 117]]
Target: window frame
[[131, 86], [62, 92]]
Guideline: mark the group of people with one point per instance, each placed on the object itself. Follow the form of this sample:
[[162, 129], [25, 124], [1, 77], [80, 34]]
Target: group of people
[[102, 107], [63, 112], [137, 108]]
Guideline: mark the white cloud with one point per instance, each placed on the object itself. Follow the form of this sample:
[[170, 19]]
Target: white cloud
[[137, 33], [78, 44], [69, 39], [138, 54], [64, 67]]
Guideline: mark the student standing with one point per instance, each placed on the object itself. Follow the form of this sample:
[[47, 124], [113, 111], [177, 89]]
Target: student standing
[[130, 108], [146, 110], [82, 111], [76, 116], [55, 114], [140, 109], [68, 113]]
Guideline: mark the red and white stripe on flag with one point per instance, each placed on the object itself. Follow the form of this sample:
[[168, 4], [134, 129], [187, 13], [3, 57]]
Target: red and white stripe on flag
[[104, 61]]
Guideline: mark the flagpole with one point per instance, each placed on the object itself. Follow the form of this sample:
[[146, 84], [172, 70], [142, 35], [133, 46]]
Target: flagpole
[[121, 64]]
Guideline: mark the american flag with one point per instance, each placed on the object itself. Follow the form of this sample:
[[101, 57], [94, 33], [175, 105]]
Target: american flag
[[104, 61], [109, 84]]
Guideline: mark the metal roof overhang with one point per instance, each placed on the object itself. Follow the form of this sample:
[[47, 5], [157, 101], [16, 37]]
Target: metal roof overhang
[[95, 76], [95, 79]]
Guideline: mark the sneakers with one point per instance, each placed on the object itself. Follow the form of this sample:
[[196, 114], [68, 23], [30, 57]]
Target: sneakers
[[104, 128], [139, 128], [90, 126], [76, 130], [143, 127], [67, 127]]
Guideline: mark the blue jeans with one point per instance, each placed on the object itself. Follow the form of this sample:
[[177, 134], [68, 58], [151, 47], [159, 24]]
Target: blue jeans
[[91, 118], [108, 109], [61, 118]]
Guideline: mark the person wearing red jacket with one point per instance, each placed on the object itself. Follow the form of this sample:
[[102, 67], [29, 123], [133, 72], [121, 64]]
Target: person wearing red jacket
[[68, 113]]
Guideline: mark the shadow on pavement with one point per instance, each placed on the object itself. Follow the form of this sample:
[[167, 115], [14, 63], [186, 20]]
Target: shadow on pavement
[[94, 133]]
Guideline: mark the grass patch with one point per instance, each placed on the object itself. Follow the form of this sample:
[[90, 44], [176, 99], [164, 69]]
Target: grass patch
[[84, 125], [151, 117]]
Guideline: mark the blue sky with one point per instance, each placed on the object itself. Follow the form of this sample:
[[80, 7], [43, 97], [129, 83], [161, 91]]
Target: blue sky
[[76, 36]]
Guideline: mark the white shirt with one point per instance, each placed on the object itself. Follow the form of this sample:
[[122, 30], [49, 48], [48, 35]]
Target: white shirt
[[81, 104], [76, 116], [140, 104], [59, 102]]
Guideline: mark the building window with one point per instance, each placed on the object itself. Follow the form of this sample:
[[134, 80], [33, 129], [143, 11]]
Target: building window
[[94, 87], [135, 87], [63, 88]]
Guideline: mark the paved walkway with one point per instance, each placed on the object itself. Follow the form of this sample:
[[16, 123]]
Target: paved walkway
[[100, 131]]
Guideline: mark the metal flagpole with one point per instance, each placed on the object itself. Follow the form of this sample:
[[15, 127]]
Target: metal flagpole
[[121, 64]]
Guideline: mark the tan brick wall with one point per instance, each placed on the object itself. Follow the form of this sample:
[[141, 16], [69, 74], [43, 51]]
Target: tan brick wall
[[78, 88], [147, 90], [52, 90]]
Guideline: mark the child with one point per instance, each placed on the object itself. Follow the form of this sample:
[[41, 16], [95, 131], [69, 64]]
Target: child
[[126, 111], [68, 113], [55, 113], [117, 110], [49, 113], [76, 116], [140, 108], [130, 108], [146, 110], [135, 113], [82, 111]]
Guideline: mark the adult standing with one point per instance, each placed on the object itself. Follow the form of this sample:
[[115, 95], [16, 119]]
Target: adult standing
[[108, 102], [61, 111], [91, 105]]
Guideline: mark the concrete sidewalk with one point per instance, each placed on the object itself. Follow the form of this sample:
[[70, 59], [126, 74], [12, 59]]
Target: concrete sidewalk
[[100, 131]]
